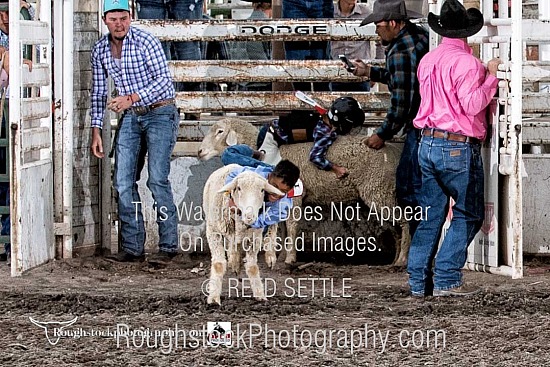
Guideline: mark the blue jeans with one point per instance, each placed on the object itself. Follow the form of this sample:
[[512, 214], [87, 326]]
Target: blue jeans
[[303, 50], [408, 178], [177, 10], [449, 170], [241, 154], [160, 127]]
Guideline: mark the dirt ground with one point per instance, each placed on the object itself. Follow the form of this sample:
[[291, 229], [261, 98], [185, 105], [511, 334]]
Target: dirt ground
[[506, 325]]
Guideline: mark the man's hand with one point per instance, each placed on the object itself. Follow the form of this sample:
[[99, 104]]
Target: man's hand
[[361, 69], [339, 171], [97, 143], [25, 62], [375, 142], [492, 66], [6, 65], [120, 103]]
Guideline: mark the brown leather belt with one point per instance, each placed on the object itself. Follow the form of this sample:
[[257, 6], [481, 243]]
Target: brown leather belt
[[440, 134], [162, 103], [142, 110]]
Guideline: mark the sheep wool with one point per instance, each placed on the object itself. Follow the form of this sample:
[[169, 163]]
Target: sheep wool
[[371, 176]]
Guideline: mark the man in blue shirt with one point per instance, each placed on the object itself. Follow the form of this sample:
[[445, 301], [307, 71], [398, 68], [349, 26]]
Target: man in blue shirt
[[136, 62]]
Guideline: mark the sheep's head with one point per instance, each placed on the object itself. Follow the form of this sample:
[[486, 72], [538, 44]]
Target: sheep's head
[[219, 137], [248, 190]]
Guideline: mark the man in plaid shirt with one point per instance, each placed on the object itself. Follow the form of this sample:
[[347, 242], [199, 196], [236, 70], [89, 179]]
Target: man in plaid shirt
[[406, 45], [136, 62]]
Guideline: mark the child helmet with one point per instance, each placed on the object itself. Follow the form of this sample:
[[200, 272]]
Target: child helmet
[[345, 114]]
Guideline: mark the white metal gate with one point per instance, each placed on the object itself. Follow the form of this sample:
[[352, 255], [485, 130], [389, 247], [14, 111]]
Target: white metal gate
[[30, 126]]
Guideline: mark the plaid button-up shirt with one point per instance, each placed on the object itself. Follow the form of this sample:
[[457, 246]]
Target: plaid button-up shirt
[[402, 58], [143, 70], [324, 137]]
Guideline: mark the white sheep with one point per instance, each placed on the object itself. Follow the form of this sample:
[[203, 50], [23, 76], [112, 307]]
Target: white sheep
[[228, 233], [371, 173]]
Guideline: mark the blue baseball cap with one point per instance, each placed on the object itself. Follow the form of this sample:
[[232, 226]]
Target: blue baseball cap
[[109, 5]]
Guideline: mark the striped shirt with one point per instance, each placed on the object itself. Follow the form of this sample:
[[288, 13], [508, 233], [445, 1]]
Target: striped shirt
[[402, 58], [4, 40], [143, 70]]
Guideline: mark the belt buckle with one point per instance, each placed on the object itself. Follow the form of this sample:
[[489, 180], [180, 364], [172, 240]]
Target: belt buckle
[[141, 110]]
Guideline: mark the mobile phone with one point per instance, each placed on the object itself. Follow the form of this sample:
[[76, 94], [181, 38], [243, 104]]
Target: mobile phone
[[349, 66]]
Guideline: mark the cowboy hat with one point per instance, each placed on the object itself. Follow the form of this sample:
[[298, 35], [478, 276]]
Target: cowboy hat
[[4, 5], [455, 21], [390, 10]]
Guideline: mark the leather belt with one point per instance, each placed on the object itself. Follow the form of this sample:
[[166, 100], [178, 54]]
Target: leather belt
[[142, 110], [162, 103], [441, 134]]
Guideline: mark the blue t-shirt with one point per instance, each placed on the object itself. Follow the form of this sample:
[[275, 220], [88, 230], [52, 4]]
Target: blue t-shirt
[[272, 212]]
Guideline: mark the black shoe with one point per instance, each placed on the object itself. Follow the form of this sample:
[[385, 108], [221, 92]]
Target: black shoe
[[161, 258], [258, 154], [124, 257]]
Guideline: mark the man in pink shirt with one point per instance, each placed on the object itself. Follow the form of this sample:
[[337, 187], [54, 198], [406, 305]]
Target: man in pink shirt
[[455, 89]]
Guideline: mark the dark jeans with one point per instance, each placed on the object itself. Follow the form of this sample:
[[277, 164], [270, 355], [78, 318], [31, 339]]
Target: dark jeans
[[449, 170], [350, 87], [408, 178]]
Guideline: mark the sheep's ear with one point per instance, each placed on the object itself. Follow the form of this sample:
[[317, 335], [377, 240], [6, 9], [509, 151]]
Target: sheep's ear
[[228, 187], [231, 138], [272, 189]]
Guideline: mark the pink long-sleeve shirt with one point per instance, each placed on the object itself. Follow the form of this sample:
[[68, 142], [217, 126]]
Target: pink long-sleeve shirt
[[455, 89]]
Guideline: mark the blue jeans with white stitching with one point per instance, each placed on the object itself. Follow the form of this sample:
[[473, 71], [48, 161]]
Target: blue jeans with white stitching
[[160, 127], [449, 169]]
